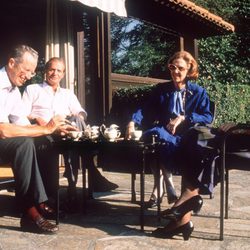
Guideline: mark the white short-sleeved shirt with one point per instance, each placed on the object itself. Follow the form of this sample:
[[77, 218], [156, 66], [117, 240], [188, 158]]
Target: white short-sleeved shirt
[[39, 100], [11, 110]]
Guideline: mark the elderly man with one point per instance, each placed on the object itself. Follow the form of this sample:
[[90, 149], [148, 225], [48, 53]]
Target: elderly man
[[16, 144], [41, 102]]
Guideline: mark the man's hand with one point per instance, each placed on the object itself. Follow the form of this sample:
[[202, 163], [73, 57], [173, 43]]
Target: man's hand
[[58, 125], [65, 129], [174, 123]]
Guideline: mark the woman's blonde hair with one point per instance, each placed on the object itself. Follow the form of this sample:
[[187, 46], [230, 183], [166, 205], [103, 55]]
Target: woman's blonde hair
[[188, 58]]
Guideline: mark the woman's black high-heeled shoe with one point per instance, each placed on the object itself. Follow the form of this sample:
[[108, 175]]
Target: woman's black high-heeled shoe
[[175, 213], [186, 231]]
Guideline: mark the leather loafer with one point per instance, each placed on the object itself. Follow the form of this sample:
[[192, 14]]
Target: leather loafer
[[39, 225], [46, 211]]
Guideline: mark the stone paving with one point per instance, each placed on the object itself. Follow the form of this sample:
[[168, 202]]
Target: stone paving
[[112, 221]]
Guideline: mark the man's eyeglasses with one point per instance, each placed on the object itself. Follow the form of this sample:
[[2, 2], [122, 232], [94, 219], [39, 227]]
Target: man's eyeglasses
[[25, 71], [173, 67]]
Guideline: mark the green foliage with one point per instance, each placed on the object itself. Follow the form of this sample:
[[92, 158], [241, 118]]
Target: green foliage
[[223, 60], [125, 102], [232, 102], [138, 49], [237, 13], [224, 8], [217, 61], [132, 96], [128, 100], [243, 32]]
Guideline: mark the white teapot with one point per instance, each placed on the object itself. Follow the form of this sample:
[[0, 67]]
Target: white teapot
[[110, 133]]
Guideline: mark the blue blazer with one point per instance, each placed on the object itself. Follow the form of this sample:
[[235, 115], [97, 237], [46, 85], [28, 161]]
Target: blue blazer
[[155, 112]]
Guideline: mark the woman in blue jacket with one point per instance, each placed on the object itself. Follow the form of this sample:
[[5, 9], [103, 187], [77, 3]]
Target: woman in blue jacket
[[172, 109]]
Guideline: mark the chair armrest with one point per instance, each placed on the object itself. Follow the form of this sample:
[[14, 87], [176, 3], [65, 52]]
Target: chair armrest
[[240, 128], [237, 137], [243, 128]]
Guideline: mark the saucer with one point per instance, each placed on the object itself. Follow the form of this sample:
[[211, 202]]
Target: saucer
[[136, 139]]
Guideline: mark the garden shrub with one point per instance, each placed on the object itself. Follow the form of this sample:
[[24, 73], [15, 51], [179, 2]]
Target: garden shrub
[[232, 102]]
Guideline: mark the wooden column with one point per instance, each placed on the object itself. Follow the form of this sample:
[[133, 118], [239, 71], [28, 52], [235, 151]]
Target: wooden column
[[181, 43], [191, 45], [107, 64], [81, 69], [104, 66], [93, 87], [99, 93]]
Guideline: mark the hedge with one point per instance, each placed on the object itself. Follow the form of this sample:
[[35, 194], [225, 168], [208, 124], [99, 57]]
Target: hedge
[[232, 102]]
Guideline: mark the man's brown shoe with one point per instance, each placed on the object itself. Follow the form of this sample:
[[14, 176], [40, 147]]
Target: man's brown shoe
[[46, 211], [39, 225]]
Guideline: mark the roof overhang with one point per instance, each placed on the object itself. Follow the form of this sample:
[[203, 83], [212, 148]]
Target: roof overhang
[[182, 16]]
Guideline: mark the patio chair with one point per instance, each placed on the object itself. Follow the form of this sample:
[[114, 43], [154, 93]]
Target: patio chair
[[235, 154], [128, 162]]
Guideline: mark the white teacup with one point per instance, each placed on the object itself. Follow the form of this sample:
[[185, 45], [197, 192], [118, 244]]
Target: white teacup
[[136, 135], [75, 135], [112, 134]]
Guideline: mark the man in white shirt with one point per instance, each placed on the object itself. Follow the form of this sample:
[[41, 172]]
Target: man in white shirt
[[16, 146], [42, 101]]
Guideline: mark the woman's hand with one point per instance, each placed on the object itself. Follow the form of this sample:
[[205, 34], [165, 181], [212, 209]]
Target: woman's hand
[[130, 128], [174, 123]]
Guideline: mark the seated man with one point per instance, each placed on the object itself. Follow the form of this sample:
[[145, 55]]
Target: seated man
[[42, 101], [16, 146]]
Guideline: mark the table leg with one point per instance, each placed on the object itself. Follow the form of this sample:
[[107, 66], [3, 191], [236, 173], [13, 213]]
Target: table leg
[[133, 195], [142, 191], [84, 203], [158, 174], [57, 195], [91, 173]]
